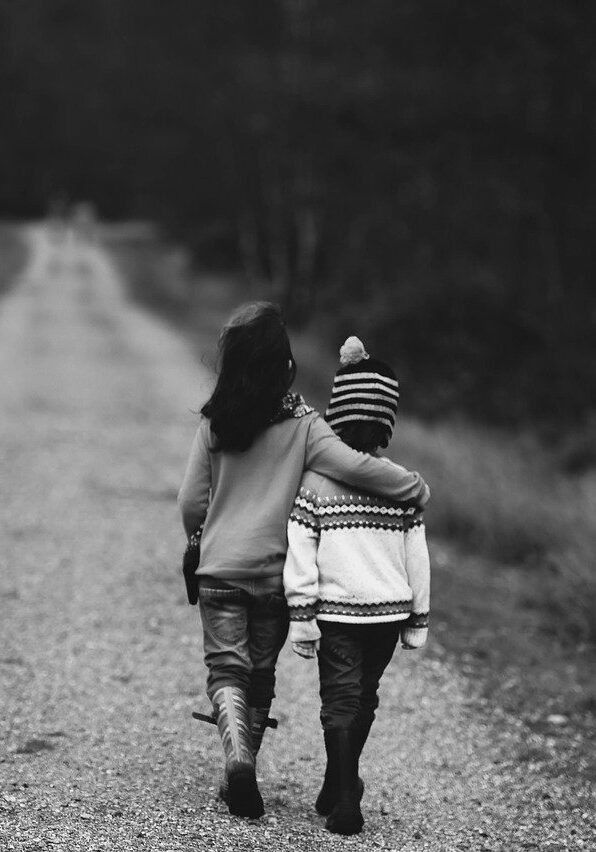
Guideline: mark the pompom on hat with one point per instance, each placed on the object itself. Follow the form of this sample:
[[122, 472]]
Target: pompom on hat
[[352, 352], [364, 389]]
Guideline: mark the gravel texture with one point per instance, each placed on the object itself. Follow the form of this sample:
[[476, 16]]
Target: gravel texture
[[100, 658]]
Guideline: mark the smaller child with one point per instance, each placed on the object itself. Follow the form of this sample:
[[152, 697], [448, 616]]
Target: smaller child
[[356, 578]]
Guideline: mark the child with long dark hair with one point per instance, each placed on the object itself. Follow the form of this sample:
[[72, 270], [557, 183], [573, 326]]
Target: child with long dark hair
[[252, 445], [357, 579]]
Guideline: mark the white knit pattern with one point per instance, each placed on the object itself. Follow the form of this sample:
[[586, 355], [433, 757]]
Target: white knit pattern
[[371, 565], [377, 377], [358, 395]]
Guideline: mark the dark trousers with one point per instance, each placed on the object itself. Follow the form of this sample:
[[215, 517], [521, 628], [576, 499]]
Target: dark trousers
[[352, 659], [245, 624]]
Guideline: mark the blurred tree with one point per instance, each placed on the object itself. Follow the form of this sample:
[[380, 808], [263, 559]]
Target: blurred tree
[[421, 171]]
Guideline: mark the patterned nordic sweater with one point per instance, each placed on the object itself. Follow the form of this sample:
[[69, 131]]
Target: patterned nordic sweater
[[357, 559]]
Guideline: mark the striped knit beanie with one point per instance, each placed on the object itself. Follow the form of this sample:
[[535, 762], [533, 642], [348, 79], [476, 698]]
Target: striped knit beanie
[[363, 389]]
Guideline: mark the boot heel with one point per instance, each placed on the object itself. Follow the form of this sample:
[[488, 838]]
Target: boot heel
[[231, 712], [327, 798], [345, 818], [342, 764], [244, 798]]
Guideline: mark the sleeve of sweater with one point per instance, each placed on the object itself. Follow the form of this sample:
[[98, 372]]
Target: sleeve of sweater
[[193, 497], [301, 572], [327, 454], [415, 629]]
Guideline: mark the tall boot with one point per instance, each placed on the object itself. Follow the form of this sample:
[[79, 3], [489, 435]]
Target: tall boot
[[346, 817], [258, 718], [361, 731], [329, 792], [231, 711], [258, 722]]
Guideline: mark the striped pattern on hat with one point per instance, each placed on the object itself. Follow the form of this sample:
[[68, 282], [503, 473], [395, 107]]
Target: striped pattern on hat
[[364, 389]]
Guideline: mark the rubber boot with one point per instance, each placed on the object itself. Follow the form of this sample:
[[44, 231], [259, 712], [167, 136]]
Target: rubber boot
[[329, 791], [258, 722], [361, 732], [231, 711], [258, 717], [346, 817]]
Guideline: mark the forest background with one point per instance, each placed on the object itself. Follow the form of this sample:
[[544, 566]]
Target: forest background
[[425, 167]]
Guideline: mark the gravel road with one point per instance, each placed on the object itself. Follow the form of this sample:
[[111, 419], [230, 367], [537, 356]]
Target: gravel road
[[100, 658]]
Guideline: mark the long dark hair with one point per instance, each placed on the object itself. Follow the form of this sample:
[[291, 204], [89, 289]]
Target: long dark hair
[[256, 370]]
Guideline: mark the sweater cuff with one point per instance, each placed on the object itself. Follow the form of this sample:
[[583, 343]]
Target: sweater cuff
[[414, 636], [301, 612], [415, 630], [304, 631]]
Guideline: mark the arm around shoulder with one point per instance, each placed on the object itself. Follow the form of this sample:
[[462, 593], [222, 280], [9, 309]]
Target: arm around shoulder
[[327, 454]]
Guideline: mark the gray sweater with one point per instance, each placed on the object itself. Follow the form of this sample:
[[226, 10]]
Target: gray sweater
[[241, 501]]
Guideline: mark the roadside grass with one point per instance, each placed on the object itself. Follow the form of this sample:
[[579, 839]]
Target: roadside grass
[[12, 254], [502, 497], [513, 538]]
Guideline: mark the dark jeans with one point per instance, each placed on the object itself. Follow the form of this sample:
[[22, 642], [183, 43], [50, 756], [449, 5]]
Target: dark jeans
[[352, 659], [245, 624]]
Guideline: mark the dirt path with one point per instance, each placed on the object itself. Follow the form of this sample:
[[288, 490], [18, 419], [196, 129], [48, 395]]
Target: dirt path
[[100, 662]]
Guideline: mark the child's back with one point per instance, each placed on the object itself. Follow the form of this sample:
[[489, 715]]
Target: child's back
[[355, 558], [356, 579]]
